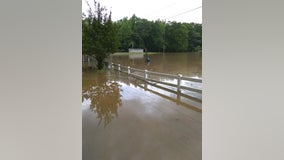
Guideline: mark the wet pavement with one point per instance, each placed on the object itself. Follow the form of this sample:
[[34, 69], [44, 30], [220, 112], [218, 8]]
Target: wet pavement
[[124, 118]]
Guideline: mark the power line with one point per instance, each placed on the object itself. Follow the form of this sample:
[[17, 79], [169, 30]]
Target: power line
[[185, 12], [162, 8]]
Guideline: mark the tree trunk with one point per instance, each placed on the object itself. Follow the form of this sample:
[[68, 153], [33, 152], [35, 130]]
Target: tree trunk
[[100, 63]]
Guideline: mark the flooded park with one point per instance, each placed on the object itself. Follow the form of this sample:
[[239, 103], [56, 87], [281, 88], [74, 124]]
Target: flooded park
[[125, 117]]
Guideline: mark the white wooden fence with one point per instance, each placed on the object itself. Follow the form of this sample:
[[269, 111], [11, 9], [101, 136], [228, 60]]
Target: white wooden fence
[[145, 75]]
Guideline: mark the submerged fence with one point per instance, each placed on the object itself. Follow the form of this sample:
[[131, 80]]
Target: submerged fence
[[178, 81]]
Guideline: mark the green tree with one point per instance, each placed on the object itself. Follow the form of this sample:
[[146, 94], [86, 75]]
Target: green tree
[[137, 41], [98, 34], [157, 34], [176, 37], [198, 41], [143, 29], [124, 34], [194, 37]]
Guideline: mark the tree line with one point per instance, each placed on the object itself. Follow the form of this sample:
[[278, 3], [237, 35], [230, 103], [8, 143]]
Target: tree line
[[158, 36], [102, 37]]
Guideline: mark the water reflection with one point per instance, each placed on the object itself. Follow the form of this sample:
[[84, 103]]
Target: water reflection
[[184, 98], [103, 95], [147, 120]]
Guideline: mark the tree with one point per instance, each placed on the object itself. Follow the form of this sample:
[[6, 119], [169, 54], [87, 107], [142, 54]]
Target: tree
[[124, 34], [143, 28], [176, 37], [98, 34], [194, 37], [157, 36]]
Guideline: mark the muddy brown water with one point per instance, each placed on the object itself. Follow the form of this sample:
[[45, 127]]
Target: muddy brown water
[[187, 64], [125, 118]]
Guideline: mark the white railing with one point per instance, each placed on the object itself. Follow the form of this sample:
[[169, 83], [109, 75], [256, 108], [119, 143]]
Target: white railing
[[178, 79]]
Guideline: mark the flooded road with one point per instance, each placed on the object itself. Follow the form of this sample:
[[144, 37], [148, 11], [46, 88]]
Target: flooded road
[[126, 118]]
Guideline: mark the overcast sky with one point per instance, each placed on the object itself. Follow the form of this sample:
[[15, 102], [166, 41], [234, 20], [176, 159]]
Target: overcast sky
[[169, 10]]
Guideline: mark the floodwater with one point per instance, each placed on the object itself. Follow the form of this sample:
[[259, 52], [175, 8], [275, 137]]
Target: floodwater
[[187, 64], [126, 118]]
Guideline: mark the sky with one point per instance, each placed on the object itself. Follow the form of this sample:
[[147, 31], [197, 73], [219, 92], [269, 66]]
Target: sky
[[169, 10]]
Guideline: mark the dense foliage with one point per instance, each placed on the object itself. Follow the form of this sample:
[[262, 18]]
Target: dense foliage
[[157, 36], [98, 34]]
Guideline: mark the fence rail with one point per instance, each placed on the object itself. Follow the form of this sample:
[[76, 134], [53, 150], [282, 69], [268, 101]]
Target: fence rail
[[145, 75]]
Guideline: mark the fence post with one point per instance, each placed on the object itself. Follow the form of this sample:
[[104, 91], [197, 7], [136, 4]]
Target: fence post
[[128, 69], [146, 75], [118, 67], [179, 82]]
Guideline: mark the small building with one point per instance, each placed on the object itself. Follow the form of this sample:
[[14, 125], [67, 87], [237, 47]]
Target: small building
[[135, 50]]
